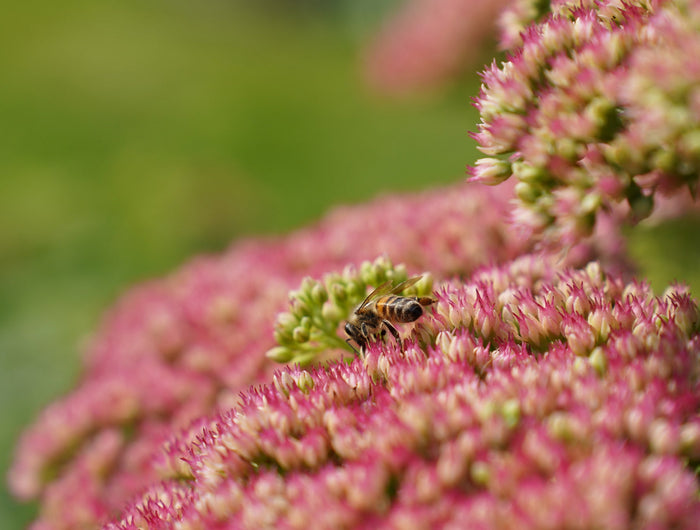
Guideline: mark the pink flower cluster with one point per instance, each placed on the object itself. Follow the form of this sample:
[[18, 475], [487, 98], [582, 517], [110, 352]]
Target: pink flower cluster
[[175, 349], [527, 399], [429, 42], [597, 107]]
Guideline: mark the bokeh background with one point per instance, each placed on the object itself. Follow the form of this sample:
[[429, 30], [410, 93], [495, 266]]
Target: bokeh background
[[136, 135]]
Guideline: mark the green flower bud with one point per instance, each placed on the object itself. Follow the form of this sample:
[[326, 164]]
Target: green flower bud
[[305, 382], [511, 412], [331, 312], [526, 172], [526, 192], [286, 320], [690, 142], [339, 292], [665, 160], [480, 473], [368, 273], [591, 203], [300, 334], [319, 294], [283, 336], [280, 354], [598, 361]]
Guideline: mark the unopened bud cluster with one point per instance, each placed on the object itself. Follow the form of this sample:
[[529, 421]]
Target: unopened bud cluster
[[309, 330]]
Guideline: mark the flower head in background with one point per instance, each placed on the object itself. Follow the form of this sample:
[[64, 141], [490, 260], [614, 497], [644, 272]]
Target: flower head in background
[[176, 349], [596, 107], [528, 398], [429, 42]]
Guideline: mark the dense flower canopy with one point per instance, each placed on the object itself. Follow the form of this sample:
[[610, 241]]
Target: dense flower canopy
[[175, 349], [527, 399]]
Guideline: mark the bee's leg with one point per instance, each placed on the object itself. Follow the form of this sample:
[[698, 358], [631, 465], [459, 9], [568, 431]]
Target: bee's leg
[[365, 333], [425, 300], [393, 331]]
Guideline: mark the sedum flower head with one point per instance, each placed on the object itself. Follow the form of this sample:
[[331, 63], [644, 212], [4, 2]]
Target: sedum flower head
[[528, 398], [595, 107], [429, 42], [179, 348]]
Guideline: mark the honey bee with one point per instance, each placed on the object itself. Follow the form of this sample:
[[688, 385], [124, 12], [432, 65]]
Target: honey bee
[[383, 305]]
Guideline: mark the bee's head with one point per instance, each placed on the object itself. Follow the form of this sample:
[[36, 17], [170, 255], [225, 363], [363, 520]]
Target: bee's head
[[354, 332]]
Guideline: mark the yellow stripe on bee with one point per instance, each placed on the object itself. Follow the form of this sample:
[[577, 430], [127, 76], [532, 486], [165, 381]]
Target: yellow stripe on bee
[[386, 306]]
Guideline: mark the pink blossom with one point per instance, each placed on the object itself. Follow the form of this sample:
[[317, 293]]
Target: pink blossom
[[594, 111], [429, 42], [175, 349], [537, 433], [530, 395]]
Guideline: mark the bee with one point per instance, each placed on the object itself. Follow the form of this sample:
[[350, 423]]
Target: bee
[[374, 316]]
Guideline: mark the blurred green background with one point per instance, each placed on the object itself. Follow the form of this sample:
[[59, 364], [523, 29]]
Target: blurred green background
[[138, 134]]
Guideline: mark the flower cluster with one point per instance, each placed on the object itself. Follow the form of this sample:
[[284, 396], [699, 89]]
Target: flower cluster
[[526, 398], [309, 330], [596, 108], [176, 349], [523, 398], [429, 42], [520, 14]]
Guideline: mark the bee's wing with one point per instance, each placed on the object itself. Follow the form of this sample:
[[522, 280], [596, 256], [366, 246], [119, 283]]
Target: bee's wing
[[405, 285], [377, 291], [386, 288]]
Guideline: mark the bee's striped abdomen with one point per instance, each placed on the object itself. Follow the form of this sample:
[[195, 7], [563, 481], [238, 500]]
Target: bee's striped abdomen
[[399, 308], [385, 306]]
